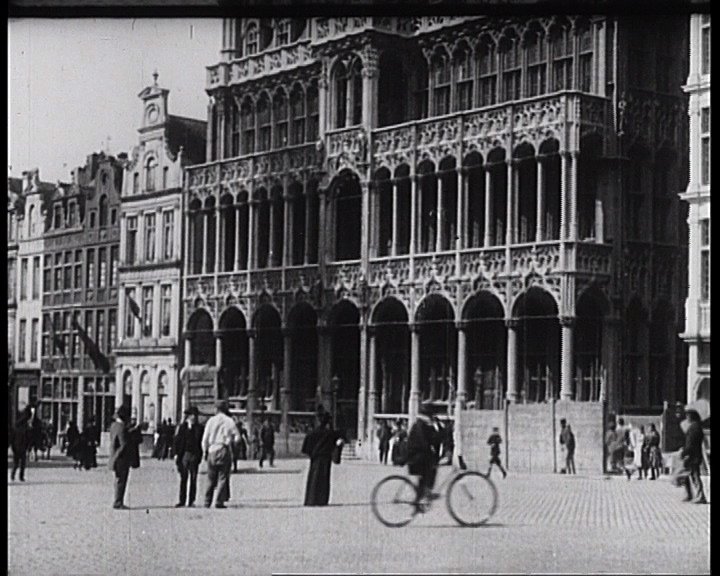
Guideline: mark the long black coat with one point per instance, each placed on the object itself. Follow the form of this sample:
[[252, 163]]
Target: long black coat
[[21, 436], [692, 451], [423, 446], [188, 441], [319, 445]]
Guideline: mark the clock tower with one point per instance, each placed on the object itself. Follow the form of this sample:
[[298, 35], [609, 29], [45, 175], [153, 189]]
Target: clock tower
[[155, 106]]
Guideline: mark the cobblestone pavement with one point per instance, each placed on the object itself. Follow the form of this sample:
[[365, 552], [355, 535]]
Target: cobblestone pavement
[[61, 522]]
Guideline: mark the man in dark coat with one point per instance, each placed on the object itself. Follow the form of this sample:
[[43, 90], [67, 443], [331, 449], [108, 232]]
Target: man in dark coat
[[267, 438], [119, 460], [494, 442], [21, 438], [319, 446], [423, 452], [384, 441], [692, 458], [188, 455]]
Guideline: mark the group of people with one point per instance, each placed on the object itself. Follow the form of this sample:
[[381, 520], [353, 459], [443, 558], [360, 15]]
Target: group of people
[[163, 440], [632, 449], [81, 446]]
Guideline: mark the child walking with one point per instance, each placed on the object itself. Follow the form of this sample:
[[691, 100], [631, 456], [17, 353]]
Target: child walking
[[494, 442]]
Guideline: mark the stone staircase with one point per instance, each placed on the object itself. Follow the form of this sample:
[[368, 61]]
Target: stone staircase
[[348, 452]]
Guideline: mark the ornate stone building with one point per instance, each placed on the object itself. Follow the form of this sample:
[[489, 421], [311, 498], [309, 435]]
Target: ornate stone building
[[697, 306], [14, 207], [453, 211], [150, 251], [80, 295]]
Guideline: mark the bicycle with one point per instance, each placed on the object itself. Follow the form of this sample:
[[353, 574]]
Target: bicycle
[[470, 496]]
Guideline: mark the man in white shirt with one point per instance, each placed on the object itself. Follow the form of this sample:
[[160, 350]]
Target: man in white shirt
[[218, 438]]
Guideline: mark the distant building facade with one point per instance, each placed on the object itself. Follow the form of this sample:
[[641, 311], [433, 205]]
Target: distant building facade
[[450, 211], [149, 350], [14, 207], [697, 194]]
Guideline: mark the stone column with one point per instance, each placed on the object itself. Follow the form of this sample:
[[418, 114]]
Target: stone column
[[370, 82], [512, 382], [461, 396], [414, 373], [136, 394], [372, 383], [251, 234], [394, 217], [322, 102], [573, 195], [189, 244], [288, 228], [510, 228], [567, 391], [286, 388], [487, 241], [362, 388], [459, 219], [349, 97], [563, 196], [306, 199], [252, 380], [439, 214], [219, 252], [205, 217], [413, 214], [236, 264], [540, 215], [270, 263], [218, 349], [324, 360], [185, 401]]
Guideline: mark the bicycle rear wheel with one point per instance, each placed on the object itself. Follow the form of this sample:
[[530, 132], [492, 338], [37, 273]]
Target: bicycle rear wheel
[[471, 498], [393, 501]]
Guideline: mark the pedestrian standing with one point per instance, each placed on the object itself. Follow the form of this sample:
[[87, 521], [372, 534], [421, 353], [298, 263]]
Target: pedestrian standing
[[655, 452], [267, 438], [637, 439], [243, 445], [692, 456], [169, 439], [384, 441], [319, 445], [21, 438], [255, 442], [188, 455], [494, 442], [569, 450], [88, 446], [72, 442], [563, 448], [119, 461], [218, 437]]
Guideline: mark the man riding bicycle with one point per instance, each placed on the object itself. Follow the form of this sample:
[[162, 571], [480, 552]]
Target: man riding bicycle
[[424, 441]]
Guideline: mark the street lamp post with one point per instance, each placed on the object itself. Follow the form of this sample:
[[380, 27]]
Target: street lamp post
[[335, 388]]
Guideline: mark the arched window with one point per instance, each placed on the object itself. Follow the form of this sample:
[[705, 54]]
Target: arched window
[[340, 82], [150, 173], [247, 126], [136, 183], [264, 126], [251, 39], [280, 118], [357, 92], [313, 114], [297, 110], [487, 74], [561, 47], [462, 63], [282, 34], [536, 65], [440, 72], [31, 221], [585, 66], [235, 138], [103, 210], [511, 68]]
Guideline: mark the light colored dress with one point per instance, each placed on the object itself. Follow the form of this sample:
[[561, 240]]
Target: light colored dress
[[637, 438]]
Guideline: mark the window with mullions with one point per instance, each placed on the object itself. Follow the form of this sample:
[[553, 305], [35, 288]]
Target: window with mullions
[[264, 126], [102, 267], [67, 272], [90, 276], [168, 233], [561, 47], [280, 118], [340, 84], [149, 237], [440, 70], [487, 74], [131, 240], [77, 273], [57, 273], [705, 146], [150, 174], [251, 39], [165, 309], [462, 63], [235, 130], [45, 350], [313, 115], [100, 334], [113, 265], [585, 66], [147, 310], [297, 111], [282, 33], [112, 330], [510, 55], [247, 126], [705, 259], [536, 48], [705, 46]]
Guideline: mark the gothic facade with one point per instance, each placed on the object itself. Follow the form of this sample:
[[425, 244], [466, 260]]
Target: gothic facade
[[451, 211]]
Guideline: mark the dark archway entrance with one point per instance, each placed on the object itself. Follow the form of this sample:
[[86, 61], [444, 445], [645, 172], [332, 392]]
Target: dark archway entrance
[[392, 353], [233, 375], [302, 322], [269, 357], [345, 327], [591, 309], [202, 340]]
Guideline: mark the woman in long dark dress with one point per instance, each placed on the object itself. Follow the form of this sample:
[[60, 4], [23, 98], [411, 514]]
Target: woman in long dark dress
[[319, 445]]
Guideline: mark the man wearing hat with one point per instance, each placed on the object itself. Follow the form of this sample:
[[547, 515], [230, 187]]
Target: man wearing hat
[[188, 454], [423, 452], [119, 461], [217, 440]]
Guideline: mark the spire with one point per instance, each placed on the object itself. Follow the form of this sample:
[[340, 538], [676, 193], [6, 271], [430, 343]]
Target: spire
[[155, 77]]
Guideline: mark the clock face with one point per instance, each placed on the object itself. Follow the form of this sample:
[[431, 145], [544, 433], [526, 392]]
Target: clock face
[[152, 114]]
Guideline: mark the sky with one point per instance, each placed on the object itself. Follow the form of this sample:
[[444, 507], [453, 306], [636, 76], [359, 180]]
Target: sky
[[73, 84]]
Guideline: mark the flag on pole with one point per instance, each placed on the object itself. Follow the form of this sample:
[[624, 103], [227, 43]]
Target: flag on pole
[[99, 359], [134, 307]]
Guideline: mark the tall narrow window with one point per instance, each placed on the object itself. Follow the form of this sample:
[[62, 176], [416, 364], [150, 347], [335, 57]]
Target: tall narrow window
[[131, 243], [165, 310], [103, 216], [166, 172], [168, 233], [34, 340], [36, 278], [297, 110], [150, 174], [23, 278], [113, 265], [313, 114], [22, 335], [67, 271], [340, 84], [112, 330], [235, 139], [102, 267], [705, 33], [136, 183], [487, 79], [282, 34], [280, 117], [77, 279], [562, 55], [147, 310], [357, 88], [462, 61], [251, 39], [440, 70], [705, 259], [100, 334], [58, 273], [264, 126], [511, 68], [149, 237], [129, 315], [247, 124], [585, 73], [90, 269], [536, 65], [705, 146]]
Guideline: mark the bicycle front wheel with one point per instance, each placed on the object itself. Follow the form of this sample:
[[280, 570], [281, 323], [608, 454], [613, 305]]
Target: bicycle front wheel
[[393, 501], [471, 499]]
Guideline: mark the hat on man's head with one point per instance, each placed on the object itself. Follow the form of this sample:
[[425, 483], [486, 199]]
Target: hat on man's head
[[425, 410], [192, 410], [223, 406], [123, 412]]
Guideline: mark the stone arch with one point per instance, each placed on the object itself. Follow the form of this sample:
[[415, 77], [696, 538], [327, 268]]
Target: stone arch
[[392, 356], [233, 340], [202, 341], [347, 197], [268, 353], [302, 323], [344, 323], [590, 358]]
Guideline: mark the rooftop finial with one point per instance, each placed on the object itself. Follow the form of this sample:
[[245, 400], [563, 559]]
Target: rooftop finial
[[155, 77]]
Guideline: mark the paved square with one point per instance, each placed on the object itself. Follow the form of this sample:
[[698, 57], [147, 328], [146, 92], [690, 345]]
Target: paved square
[[61, 522]]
